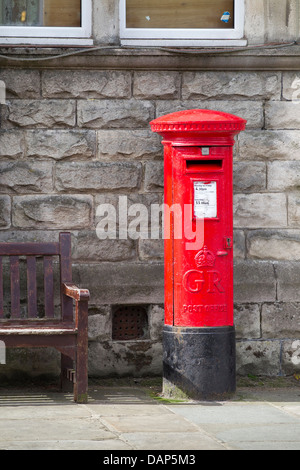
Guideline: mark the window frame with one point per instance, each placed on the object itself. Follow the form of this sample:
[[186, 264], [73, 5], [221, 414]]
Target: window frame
[[52, 34], [178, 36]]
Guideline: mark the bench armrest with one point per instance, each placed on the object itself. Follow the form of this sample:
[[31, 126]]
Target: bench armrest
[[75, 293]]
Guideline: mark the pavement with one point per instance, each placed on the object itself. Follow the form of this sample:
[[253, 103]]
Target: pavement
[[134, 417]]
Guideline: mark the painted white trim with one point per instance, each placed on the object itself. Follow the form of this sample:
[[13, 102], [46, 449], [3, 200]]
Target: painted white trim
[[176, 34], [46, 41], [187, 42], [33, 32]]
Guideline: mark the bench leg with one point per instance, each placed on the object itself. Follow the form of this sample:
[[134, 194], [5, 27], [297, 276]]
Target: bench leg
[[81, 384]]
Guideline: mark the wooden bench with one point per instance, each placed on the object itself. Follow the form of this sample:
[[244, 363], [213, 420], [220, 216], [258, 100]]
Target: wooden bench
[[32, 326]]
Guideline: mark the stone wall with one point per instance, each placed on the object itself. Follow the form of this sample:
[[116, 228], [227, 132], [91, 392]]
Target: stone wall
[[71, 140]]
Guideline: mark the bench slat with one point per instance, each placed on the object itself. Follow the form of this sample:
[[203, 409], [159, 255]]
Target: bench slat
[[26, 249], [15, 286], [48, 287], [31, 287]]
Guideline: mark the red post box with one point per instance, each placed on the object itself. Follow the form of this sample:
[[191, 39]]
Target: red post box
[[199, 332]]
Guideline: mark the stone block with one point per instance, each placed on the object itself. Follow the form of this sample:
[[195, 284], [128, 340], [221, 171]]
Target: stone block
[[99, 327], [269, 145], [125, 358], [288, 280], [233, 85], [283, 175], [39, 114], [282, 115], [151, 249], [294, 210], [88, 247], [21, 83], [280, 320], [97, 175], [290, 356], [24, 177], [154, 176], [156, 322], [249, 176], [258, 358], [239, 244], [153, 85], [291, 86], [60, 144], [133, 144], [5, 212], [11, 144], [247, 321], [52, 211], [254, 281], [86, 84], [252, 111], [115, 114], [260, 210], [281, 245], [122, 283]]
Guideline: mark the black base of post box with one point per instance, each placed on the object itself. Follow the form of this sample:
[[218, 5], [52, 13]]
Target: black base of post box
[[199, 363]]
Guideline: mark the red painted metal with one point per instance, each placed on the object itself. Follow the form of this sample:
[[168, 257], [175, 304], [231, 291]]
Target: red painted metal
[[198, 148]]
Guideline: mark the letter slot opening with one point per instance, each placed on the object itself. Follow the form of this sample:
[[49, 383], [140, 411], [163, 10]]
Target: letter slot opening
[[203, 165]]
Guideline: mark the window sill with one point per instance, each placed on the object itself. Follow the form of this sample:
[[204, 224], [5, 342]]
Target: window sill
[[185, 42], [63, 42]]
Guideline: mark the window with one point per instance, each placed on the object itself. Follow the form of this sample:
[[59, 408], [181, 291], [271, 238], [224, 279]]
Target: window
[[174, 22], [66, 22]]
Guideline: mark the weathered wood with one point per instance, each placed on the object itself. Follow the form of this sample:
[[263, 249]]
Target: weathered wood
[[66, 274], [31, 287], [26, 249], [48, 287], [15, 286], [68, 334]]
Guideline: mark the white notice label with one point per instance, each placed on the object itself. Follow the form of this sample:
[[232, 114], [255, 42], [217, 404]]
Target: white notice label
[[205, 199]]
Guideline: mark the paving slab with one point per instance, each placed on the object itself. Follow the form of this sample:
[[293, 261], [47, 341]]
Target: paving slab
[[130, 419]]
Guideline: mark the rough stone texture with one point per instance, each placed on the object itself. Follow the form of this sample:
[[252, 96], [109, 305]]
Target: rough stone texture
[[153, 85], [278, 245], [5, 212], [12, 144], [282, 115], [249, 176], [114, 114], [288, 278], [129, 144], [293, 210], [281, 320], [97, 175], [25, 84], [39, 113], [260, 210], [254, 281], [59, 145], [86, 84], [22, 177], [269, 145], [252, 111], [221, 85], [154, 176], [258, 358], [52, 212], [247, 321]]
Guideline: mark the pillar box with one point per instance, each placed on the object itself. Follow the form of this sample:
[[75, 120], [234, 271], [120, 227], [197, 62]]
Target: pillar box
[[199, 332]]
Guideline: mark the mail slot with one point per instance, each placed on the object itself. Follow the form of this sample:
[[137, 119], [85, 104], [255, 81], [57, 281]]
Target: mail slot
[[199, 332]]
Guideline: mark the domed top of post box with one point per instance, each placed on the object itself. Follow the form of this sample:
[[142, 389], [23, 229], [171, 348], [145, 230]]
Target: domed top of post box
[[206, 125]]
